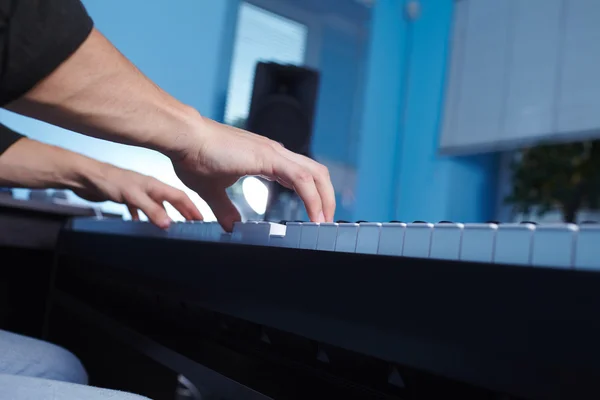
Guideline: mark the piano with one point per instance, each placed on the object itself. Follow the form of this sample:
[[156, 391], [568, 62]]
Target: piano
[[345, 310]]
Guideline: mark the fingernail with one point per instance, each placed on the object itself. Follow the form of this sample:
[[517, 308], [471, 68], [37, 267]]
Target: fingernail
[[321, 217], [166, 223]]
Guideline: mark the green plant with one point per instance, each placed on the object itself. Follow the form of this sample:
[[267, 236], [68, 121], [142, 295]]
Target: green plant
[[563, 177]]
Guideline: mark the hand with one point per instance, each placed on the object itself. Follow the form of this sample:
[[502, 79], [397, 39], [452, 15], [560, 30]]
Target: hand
[[138, 192], [219, 155]]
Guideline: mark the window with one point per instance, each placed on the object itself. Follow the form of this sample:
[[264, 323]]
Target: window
[[261, 36]]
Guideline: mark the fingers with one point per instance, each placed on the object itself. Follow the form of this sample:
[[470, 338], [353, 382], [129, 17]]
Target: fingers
[[178, 199], [133, 211], [303, 183], [310, 180], [322, 180], [154, 210], [227, 214]]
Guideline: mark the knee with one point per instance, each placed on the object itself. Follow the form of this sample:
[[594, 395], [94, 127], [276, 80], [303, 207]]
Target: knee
[[60, 364]]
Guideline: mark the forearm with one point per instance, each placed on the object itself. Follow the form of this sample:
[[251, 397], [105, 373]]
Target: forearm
[[32, 164], [98, 92]]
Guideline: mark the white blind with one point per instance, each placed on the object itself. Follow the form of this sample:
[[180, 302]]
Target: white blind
[[260, 36], [522, 72]]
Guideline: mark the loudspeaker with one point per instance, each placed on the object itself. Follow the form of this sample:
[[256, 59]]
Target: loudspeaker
[[283, 104], [282, 108]]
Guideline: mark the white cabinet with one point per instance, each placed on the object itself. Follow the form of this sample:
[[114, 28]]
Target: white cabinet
[[521, 71], [578, 104]]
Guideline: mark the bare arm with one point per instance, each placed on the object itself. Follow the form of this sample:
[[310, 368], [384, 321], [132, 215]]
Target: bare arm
[[32, 164], [98, 92]]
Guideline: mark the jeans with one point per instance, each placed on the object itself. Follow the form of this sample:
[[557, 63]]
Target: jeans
[[32, 369]]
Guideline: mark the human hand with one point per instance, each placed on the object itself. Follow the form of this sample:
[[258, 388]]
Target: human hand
[[218, 155], [138, 192]]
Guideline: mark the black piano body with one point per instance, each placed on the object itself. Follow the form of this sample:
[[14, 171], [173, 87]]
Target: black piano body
[[281, 323]]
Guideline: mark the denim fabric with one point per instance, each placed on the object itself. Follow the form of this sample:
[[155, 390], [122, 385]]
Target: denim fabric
[[32, 369]]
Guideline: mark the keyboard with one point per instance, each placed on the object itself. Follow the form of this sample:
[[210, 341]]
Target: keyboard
[[549, 245], [490, 309]]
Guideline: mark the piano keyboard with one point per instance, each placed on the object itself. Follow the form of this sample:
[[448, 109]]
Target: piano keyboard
[[546, 245]]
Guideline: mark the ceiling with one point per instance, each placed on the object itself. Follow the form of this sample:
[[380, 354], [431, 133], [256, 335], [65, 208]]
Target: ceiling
[[352, 10]]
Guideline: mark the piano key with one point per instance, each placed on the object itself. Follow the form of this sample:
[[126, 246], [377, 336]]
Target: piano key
[[514, 244], [587, 248], [327, 236], [212, 232], [346, 237], [417, 240], [445, 241], [308, 237], [367, 241], [554, 245], [391, 238], [291, 239], [478, 242], [256, 232]]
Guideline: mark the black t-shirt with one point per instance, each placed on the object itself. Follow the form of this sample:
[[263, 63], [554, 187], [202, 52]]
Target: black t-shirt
[[36, 36]]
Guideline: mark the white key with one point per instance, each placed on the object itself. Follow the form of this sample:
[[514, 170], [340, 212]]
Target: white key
[[213, 232], [417, 240], [346, 238], [256, 233], [193, 230], [367, 240], [327, 236], [478, 242], [554, 245], [291, 239], [308, 237], [587, 249], [445, 241], [391, 238], [514, 244]]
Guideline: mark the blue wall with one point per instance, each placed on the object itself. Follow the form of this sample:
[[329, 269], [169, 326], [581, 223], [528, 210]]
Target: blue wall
[[340, 66], [400, 175], [184, 46]]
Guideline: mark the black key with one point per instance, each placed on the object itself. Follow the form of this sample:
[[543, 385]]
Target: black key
[[395, 222], [588, 222], [342, 222], [361, 221], [529, 222], [492, 222], [445, 222], [419, 222]]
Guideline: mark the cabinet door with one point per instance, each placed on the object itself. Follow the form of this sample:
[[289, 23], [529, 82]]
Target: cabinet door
[[454, 75], [477, 106], [533, 62], [578, 100]]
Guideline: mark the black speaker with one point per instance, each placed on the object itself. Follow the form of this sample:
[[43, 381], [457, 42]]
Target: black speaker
[[282, 108], [283, 104]]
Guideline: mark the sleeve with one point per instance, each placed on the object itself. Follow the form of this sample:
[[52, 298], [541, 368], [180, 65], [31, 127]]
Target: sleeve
[[36, 36], [8, 137]]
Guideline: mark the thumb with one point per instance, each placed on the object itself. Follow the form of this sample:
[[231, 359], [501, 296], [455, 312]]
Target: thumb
[[227, 214]]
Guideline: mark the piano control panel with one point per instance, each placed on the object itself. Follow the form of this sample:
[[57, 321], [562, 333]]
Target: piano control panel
[[549, 245]]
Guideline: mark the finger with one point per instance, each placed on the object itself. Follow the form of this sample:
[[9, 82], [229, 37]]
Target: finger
[[154, 210], [227, 214], [322, 181], [135, 216], [303, 183], [178, 199]]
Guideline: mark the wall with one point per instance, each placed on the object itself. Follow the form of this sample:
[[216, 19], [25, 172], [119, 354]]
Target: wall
[[184, 46], [400, 174]]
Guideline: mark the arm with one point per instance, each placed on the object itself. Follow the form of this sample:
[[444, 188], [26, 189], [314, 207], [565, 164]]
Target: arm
[[32, 164], [98, 92]]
